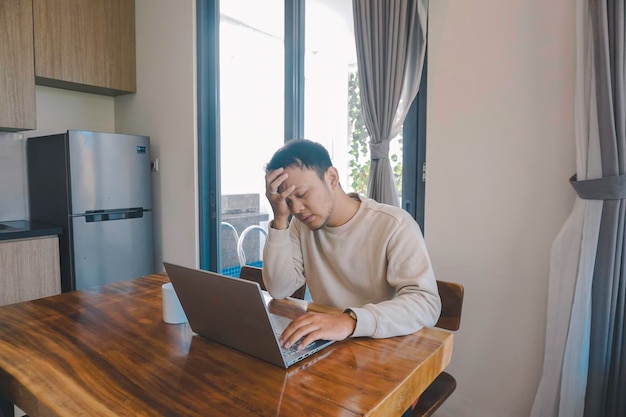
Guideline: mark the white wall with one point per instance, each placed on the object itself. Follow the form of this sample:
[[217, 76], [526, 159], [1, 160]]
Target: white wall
[[13, 177], [500, 150], [164, 109], [60, 110]]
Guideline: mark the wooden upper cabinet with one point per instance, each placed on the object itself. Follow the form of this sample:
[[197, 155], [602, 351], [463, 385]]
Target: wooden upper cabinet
[[85, 45], [17, 82]]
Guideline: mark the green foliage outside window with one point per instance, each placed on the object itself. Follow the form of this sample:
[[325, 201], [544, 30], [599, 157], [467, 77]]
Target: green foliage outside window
[[359, 162]]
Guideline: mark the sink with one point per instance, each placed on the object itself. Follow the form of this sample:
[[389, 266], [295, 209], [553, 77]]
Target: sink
[[25, 229], [5, 227]]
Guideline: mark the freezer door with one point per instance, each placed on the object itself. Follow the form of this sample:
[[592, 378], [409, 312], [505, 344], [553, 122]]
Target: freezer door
[[108, 171], [112, 246]]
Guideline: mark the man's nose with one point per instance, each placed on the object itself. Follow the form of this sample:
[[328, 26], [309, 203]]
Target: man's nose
[[297, 206]]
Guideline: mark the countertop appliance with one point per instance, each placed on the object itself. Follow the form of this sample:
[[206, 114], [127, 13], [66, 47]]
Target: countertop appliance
[[97, 187]]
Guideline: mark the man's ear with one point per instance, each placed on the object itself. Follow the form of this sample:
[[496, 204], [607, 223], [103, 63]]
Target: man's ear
[[332, 177]]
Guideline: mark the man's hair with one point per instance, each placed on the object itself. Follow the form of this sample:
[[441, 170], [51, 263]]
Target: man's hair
[[302, 153]]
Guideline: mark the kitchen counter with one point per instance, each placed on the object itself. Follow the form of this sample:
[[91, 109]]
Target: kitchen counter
[[24, 229]]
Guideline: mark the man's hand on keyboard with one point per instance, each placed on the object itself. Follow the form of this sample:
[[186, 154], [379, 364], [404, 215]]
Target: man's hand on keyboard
[[313, 326]]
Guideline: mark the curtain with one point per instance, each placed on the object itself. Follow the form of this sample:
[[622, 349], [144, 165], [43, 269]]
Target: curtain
[[390, 40], [584, 363], [606, 382]]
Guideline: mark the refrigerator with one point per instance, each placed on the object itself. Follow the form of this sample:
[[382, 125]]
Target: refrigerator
[[97, 187]]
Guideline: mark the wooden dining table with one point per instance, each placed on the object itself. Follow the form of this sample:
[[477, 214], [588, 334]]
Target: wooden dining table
[[105, 351]]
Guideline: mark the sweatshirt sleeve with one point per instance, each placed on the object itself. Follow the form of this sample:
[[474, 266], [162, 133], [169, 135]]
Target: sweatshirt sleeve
[[410, 272], [282, 262]]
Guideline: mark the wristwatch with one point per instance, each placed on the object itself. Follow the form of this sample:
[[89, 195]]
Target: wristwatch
[[351, 313]]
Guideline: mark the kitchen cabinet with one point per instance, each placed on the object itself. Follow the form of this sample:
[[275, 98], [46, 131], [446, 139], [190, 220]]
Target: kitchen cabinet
[[29, 269], [17, 84], [85, 45]]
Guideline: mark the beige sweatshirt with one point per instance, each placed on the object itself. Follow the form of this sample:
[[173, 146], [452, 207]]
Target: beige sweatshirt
[[376, 264]]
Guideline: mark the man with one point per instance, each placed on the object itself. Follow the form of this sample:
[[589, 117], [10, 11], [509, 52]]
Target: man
[[367, 258]]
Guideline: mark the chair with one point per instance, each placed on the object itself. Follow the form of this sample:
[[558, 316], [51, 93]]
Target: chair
[[252, 273], [450, 319], [241, 255]]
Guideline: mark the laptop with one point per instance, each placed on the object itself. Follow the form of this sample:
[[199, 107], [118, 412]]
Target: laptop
[[232, 311]]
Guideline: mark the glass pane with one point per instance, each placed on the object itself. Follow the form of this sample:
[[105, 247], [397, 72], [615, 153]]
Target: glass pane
[[330, 58], [332, 105], [251, 120]]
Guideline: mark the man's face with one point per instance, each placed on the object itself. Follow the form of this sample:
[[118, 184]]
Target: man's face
[[312, 202]]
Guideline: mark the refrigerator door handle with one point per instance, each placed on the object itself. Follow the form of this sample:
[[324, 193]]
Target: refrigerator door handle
[[113, 214]]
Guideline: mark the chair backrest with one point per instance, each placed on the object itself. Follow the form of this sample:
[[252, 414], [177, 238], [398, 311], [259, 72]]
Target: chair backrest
[[252, 273], [241, 255], [451, 295]]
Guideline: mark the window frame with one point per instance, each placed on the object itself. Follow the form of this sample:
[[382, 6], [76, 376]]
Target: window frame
[[414, 152], [209, 165]]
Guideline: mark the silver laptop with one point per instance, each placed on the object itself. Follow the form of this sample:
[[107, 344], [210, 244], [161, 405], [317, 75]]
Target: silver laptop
[[232, 311]]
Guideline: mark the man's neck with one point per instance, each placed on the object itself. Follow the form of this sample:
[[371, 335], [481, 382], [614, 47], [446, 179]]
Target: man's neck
[[346, 207]]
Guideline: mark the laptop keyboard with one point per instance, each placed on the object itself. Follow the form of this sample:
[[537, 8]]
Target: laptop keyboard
[[291, 349], [280, 323]]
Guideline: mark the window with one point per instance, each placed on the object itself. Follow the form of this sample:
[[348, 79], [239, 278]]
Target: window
[[268, 72]]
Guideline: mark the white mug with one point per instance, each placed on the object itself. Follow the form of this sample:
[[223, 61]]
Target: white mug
[[172, 310]]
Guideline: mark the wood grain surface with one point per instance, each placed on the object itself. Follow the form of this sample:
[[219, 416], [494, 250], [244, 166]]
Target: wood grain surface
[[85, 43], [29, 269], [17, 66], [107, 352]]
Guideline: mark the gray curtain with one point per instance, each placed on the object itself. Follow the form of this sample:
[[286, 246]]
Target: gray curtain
[[390, 42], [584, 370], [606, 381]]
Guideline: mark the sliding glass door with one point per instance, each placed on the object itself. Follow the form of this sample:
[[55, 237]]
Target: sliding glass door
[[270, 71], [252, 68]]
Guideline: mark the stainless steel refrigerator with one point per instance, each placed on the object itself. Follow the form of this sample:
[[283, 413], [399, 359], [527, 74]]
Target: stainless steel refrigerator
[[97, 187]]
